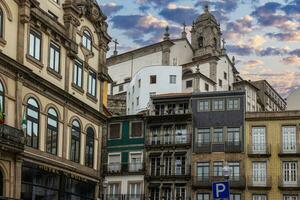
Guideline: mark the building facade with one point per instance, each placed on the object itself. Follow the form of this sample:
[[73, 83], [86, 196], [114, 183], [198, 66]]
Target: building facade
[[124, 166], [218, 141], [293, 100], [272, 164], [53, 93], [167, 148], [150, 81]]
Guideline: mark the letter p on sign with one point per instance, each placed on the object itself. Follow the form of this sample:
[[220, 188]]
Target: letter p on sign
[[221, 190]]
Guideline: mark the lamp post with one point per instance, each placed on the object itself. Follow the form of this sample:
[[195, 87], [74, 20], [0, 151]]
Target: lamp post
[[226, 174]]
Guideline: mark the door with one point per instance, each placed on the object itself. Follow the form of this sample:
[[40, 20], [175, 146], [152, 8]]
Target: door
[[259, 173], [135, 191], [290, 173], [289, 139], [180, 165], [259, 140]]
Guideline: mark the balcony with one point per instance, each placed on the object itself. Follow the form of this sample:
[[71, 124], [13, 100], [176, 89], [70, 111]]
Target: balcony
[[125, 197], [259, 150], [291, 183], [171, 172], [256, 182], [172, 111], [228, 147], [202, 182], [169, 140], [289, 149], [11, 139], [202, 147], [124, 168], [233, 147]]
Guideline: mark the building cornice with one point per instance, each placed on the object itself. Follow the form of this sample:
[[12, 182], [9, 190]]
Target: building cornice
[[269, 116]]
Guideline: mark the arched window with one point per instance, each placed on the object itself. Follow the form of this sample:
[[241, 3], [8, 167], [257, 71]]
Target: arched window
[[33, 116], [52, 131], [1, 184], [200, 42], [87, 40], [215, 43], [1, 97], [1, 23], [75, 141], [89, 147]]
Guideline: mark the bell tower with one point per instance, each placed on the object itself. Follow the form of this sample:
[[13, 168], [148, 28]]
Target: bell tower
[[206, 35]]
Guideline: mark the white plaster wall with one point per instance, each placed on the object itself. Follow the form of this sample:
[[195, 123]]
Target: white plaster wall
[[125, 180], [251, 99], [181, 53], [224, 66], [162, 85], [293, 100]]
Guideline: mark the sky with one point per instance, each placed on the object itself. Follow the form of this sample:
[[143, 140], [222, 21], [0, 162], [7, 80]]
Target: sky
[[264, 36]]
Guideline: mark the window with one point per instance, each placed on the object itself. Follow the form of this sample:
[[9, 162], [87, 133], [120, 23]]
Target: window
[[218, 135], [154, 193], [135, 163], [114, 190], [89, 147], [33, 117], [152, 93], [136, 129], [259, 172], [218, 104], [220, 82], [77, 78], [153, 79], [233, 104], [259, 197], [52, 131], [233, 135], [203, 136], [167, 192], [114, 131], [181, 136], [139, 83], [35, 45], [87, 40], [135, 191], [75, 141], [235, 197], [290, 197], [92, 83], [218, 168], [203, 170], [154, 131], [289, 139], [155, 166], [1, 24], [52, 15], [206, 87], [189, 83], [203, 105], [132, 89], [234, 168], [290, 173], [54, 57], [200, 42], [173, 79], [258, 139], [114, 162], [203, 196], [138, 101], [2, 108], [225, 75], [180, 192]]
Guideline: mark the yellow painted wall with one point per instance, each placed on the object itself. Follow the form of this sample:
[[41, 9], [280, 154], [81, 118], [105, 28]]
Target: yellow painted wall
[[105, 92]]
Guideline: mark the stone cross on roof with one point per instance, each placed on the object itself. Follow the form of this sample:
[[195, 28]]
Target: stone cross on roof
[[116, 43]]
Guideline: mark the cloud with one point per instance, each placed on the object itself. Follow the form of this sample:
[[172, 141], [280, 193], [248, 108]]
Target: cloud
[[256, 41], [242, 26], [225, 6], [286, 36], [156, 3], [144, 8], [272, 51], [292, 60], [110, 8], [242, 50], [252, 63], [292, 8], [179, 14], [295, 52]]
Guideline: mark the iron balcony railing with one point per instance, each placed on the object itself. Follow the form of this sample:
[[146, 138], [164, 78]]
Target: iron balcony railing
[[259, 182], [125, 197], [176, 111], [289, 149], [289, 181], [262, 149], [117, 168], [233, 146], [206, 181], [11, 137], [170, 170], [169, 139], [227, 146]]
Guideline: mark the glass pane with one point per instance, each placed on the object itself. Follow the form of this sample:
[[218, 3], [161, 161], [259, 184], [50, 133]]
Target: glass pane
[[37, 48]]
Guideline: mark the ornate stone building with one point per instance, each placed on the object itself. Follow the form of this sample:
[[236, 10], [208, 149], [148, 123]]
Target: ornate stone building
[[53, 91]]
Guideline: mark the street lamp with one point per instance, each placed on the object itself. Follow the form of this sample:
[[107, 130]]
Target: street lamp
[[226, 171]]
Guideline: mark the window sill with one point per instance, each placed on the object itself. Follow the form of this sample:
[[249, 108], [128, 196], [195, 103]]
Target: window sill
[[77, 88], [34, 61], [91, 97], [2, 42], [54, 73], [87, 52]]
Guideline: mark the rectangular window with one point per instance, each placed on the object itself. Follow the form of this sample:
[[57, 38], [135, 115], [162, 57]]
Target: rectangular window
[[153, 79], [138, 101], [173, 79], [135, 190], [78, 73], [218, 104], [92, 83], [258, 139], [289, 139], [233, 135], [155, 137], [203, 170], [206, 87], [218, 168], [189, 83], [290, 197], [56, 1], [154, 193], [54, 57], [225, 75], [234, 168], [114, 163], [259, 173], [180, 192], [220, 82], [114, 131], [136, 129], [290, 173], [155, 166], [139, 83], [52, 15], [132, 89], [203, 196], [203, 105], [259, 197], [233, 104], [35, 45], [203, 136], [218, 135], [121, 88], [114, 190], [235, 197]]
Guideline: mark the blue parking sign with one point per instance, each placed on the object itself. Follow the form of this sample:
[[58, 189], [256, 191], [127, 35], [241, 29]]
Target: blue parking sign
[[221, 190]]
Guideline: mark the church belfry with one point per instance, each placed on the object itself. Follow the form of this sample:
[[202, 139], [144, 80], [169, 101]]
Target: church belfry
[[206, 35]]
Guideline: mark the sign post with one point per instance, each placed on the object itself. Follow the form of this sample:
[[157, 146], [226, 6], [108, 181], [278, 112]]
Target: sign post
[[221, 190]]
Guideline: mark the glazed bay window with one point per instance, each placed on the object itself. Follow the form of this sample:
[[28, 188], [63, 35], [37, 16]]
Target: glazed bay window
[[92, 83], [233, 104], [87, 40], [35, 44], [203, 105], [218, 104], [78, 73], [114, 131], [52, 132], [54, 57]]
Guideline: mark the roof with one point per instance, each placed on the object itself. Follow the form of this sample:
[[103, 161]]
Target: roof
[[166, 95], [201, 75], [276, 115], [206, 16], [218, 93], [247, 83], [266, 82]]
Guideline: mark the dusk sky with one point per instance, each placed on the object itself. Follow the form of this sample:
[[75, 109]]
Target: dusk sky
[[264, 36]]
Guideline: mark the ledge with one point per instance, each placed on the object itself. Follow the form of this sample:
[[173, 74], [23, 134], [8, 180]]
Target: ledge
[[77, 88], [34, 61], [91, 97], [54, 73]]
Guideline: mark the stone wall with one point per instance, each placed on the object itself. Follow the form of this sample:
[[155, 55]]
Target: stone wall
[[117, 104]]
